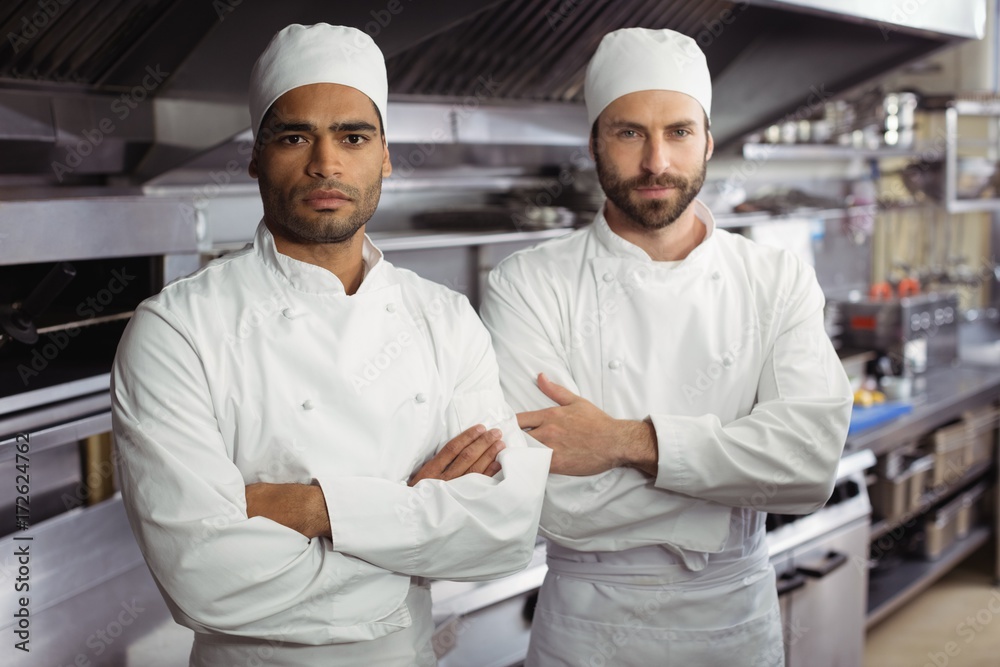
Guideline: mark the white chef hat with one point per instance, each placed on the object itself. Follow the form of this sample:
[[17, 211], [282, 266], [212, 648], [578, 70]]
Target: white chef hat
[[299, 55], [634, 59]]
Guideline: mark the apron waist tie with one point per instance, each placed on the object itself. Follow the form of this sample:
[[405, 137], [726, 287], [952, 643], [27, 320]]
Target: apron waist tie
[[646, 566]]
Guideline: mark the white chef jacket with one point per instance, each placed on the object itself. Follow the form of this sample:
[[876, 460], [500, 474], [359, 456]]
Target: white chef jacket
[[726, 354], [260, 368]]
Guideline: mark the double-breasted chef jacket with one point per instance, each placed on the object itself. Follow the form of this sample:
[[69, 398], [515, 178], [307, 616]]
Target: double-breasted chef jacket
[[260, 368], [726, 354]]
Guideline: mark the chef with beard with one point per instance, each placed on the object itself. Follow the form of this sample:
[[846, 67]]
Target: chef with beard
[[683, 379], [305, 432]]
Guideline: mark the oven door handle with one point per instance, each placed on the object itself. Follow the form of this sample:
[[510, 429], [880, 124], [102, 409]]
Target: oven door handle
[[833, 560], [790, 581]]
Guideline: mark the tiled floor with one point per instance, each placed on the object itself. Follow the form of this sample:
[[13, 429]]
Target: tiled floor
[[955, 623]]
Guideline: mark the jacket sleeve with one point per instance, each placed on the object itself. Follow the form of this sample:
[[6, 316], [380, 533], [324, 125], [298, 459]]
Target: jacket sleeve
[[185, 500], [783, 456], [473, 527], [523, 319]]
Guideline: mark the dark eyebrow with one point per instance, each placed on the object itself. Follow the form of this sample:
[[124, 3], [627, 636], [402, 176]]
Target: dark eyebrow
[[294, 126], [347, 126], [681, 124], [353, 126], [624, 124], [629, 125]]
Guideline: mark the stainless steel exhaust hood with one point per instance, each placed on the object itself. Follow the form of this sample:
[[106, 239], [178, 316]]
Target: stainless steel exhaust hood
[[116, 93]]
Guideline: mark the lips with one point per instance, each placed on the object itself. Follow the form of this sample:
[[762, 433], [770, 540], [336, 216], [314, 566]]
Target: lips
[[326, 199], [655, 192]]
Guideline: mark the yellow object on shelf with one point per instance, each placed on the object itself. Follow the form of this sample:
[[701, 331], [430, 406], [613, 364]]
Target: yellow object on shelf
[[868, 397]]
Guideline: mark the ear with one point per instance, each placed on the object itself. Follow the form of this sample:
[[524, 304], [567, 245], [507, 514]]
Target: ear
[[709, 146], [386, 162], [252, 168]]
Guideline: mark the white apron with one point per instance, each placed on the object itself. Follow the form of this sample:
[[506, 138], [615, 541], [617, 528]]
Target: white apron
[[618, 609], [409, 647]]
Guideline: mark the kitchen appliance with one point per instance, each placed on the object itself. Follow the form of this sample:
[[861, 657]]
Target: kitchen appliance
[[75, 89], [821, 561], [487, 623], [915, 332], [72, 271]]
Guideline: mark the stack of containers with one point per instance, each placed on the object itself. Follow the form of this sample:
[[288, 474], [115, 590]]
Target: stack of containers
[[902, 479], [951, 522], [982, 425]]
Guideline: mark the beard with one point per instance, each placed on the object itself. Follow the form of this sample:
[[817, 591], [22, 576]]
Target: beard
[[649, 213], [331, 227]]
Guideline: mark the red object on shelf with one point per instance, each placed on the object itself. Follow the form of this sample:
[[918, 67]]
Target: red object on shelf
[[880, 291], [908, 287]]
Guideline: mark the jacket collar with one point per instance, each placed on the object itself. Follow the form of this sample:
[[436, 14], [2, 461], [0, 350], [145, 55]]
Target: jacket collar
[[314, 279], [621, 248]]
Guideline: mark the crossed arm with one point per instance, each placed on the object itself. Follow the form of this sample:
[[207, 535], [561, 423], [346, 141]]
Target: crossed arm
[[302, 507], [792, 439], [584, 439], [226, 570]]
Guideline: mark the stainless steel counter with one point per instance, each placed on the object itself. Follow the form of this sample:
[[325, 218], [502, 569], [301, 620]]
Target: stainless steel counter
[[940, 396]]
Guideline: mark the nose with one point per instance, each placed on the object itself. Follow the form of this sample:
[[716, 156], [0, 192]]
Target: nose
[[656, 157], [325, 159]]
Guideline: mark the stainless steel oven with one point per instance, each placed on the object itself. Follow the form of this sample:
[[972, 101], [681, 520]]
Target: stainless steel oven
[[821, 561], [71, 274]]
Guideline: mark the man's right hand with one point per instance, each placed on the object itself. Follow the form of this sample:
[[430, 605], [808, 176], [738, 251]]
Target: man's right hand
[[472, 450]]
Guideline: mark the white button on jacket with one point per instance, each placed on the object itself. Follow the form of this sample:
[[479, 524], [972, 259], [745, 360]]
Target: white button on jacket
[[259, 368]]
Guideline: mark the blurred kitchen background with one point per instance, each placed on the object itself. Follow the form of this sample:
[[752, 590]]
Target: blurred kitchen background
[[863, 135]]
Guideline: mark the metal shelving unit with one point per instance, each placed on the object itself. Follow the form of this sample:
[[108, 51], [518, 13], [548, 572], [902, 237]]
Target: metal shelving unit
[[815, 152], [888, 593], [955, 110], [952, 202], [946, 394], [929, 499]]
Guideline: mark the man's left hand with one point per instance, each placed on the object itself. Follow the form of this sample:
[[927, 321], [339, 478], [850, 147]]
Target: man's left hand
[[584, 439]]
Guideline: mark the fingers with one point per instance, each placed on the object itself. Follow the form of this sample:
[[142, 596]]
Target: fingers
[[434, 468], [532, 419], [556, 392], [488, 458], [463, 461], [473, 450]]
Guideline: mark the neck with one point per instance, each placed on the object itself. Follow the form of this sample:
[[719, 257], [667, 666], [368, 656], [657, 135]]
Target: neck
[[667, 244], [343, 259]]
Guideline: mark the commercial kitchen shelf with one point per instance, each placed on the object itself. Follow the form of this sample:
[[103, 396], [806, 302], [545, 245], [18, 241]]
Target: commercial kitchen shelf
[[410, 240], [982, 108], [942, 395], [736, 220], [889, 592], [813, 152], [930, 498], [94, 228]]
